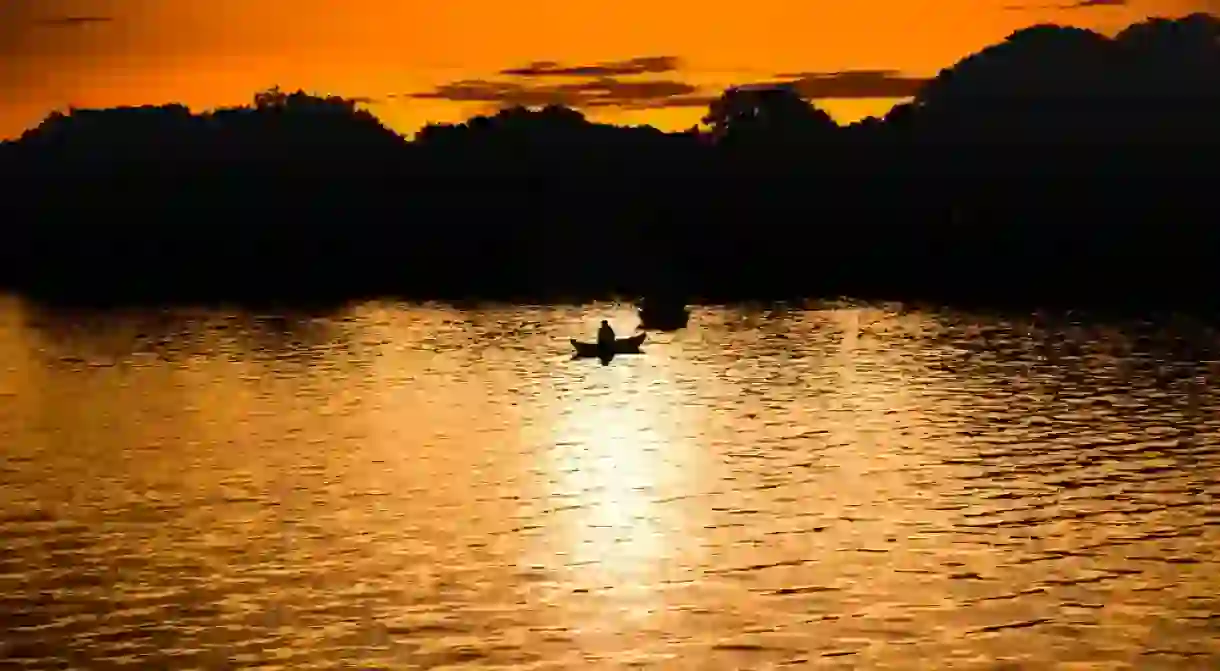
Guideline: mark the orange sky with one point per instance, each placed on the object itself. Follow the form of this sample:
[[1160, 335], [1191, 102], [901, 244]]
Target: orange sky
[[220, 51]]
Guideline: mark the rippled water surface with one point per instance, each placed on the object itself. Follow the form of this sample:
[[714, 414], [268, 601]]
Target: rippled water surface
[[394, 486]]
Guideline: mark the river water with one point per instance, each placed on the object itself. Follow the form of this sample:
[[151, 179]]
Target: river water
[[395, 486]]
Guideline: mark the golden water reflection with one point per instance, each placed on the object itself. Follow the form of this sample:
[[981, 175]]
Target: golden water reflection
[[607, 466], [620, 471], [395, 486]]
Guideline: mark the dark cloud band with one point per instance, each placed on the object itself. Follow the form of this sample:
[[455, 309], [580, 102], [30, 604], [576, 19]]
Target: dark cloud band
[[69, 21], [607, 91], [852, 84], [1082, 4], [644, 65], [604, 92]]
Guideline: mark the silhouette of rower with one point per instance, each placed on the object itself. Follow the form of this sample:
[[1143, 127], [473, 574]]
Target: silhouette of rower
[[605, 337]]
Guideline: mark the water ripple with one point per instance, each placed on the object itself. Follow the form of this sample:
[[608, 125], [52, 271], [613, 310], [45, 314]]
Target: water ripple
[[394, 486]]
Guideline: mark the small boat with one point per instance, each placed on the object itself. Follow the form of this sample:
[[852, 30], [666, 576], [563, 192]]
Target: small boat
[[664, 320], [621, 346], [662, 314]]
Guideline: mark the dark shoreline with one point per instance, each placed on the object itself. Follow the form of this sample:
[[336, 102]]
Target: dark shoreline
[[1060, 167]]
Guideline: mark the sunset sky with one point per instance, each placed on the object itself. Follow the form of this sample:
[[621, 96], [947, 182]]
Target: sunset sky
[[625, 61]]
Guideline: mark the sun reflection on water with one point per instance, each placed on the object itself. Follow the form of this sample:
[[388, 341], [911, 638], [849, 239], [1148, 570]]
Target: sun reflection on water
[[609, 463], [619, 463]]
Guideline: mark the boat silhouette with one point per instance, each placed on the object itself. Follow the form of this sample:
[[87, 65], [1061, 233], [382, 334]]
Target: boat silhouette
[[621, 346]]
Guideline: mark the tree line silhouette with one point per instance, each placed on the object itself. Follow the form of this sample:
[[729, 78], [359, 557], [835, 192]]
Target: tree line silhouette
[[1059, 165]]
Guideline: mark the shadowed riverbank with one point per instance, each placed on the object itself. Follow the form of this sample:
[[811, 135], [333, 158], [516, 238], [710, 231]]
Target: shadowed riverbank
[[1059, 167]]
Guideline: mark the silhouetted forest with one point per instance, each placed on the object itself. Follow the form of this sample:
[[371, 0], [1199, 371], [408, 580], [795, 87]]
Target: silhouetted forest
[[1058, 166]]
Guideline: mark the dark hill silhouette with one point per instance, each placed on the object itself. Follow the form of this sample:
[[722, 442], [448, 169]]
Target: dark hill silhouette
[[1059, 165]]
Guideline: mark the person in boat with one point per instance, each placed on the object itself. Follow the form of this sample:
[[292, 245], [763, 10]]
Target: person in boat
[[605, 336]]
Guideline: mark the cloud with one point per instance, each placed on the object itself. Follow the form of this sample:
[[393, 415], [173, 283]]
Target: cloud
[[635, 66], [605, 91], [602, 92], [69, 21], [33, 30], [852, 84], [1082, 4], [602, 86]]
